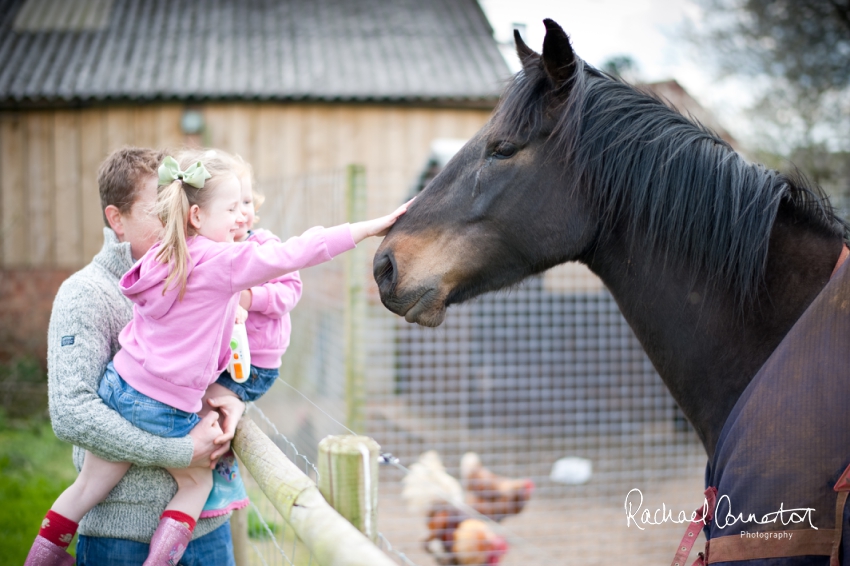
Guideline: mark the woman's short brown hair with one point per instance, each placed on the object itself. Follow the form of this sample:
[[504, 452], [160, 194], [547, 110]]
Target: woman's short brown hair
[[120, 175]]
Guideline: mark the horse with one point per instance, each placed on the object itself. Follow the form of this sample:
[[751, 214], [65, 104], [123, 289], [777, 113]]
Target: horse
[[713, 260]]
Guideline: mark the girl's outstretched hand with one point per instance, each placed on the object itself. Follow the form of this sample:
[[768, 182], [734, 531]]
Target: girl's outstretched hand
[[377, 227]]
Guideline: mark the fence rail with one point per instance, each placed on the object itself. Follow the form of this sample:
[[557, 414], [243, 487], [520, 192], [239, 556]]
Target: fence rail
[[331, 539]]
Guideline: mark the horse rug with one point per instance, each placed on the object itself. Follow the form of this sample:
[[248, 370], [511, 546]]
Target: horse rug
[[785, 445]]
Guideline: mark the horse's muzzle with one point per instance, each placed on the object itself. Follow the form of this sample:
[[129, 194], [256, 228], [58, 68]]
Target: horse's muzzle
[[422, 304]]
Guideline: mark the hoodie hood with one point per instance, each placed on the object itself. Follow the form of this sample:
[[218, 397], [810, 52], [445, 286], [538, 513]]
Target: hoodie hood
[[143, 284]]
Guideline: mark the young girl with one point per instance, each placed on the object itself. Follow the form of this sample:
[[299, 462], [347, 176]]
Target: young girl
[[185, 292], [265, 314], [268, 305]]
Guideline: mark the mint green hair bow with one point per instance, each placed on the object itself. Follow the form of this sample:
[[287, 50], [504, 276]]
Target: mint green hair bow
[[194, 175]]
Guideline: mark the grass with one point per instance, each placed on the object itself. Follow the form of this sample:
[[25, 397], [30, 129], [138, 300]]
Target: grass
[[36, 467], [259, 528], [266, 549]]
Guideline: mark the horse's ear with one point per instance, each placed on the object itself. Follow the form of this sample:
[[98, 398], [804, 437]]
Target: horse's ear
[[559, 59], [526, 54]]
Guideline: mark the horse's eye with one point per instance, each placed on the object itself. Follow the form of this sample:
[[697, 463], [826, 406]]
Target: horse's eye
[[504, 150]]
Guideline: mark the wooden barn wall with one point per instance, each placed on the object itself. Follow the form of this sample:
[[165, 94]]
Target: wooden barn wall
[[50, 218]]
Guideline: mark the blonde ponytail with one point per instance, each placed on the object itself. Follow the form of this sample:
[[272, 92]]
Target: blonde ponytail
[[173, 202], [172, 209]]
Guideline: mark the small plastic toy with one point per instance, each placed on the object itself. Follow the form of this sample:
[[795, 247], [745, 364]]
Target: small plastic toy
[[239, 366]]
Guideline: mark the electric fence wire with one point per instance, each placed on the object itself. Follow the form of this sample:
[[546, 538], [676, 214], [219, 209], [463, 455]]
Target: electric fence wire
[[389, 459], [277, 433], [271, 536]]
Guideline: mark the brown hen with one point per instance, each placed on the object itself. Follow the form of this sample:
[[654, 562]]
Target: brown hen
[[492, 495]]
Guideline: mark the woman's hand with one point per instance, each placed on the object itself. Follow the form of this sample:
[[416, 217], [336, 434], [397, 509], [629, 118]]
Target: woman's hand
[[241, 315], [377, 227]]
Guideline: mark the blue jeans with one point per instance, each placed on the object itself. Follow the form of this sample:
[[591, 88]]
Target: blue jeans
[[254, 387], [142, 411], [212, 549]]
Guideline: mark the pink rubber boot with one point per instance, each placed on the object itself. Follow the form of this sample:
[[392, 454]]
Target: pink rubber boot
[[168, 543], [46, 553]]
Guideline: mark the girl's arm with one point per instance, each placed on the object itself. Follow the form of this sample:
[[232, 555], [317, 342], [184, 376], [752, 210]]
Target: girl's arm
[[379, 226], [275, 298], [253, 264], [79, 345]]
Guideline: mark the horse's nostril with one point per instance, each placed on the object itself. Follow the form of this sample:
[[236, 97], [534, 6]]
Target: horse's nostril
[[383, 268]]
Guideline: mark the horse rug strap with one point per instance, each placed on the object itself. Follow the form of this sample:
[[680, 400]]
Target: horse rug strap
[[702, 517], [781, 462]]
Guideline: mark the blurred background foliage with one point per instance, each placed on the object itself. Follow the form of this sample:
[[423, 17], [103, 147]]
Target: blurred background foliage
[[796, 56], [35, 465]]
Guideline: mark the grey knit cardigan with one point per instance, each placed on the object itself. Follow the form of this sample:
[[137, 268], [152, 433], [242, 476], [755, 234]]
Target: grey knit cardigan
[[88, 314]]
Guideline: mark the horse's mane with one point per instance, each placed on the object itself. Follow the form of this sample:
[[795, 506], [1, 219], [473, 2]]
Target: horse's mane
[[678, 187]]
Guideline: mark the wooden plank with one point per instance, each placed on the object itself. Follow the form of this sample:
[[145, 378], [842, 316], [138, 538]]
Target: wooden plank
[[93, 150], [314, 136], [473, 121], [345, 145], [291, 151], [242, 125], [120, 130], [217, 118], [445, 124], [168, 133], [388, 184], [12, 163], [228, 127], [420, 134], [275, 167], [265, 154], [371, 124], [68, 187], [145, 126], [40, 224]]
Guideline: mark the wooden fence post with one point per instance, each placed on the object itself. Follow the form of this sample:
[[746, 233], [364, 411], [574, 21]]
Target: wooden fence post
[[331, 539], [355, 304], [348, 479]]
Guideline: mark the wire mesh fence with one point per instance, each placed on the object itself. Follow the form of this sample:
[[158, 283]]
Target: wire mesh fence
[[525, 378], [271, 541]]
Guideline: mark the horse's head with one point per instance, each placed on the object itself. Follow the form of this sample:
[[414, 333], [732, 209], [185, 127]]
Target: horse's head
[[498, 212]]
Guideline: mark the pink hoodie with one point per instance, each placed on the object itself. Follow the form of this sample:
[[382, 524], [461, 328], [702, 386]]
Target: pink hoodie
[[173, 350], [268, 323]]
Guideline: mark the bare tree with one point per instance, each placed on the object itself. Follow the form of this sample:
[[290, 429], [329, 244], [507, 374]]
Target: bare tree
[[802, 45], [799, 51]]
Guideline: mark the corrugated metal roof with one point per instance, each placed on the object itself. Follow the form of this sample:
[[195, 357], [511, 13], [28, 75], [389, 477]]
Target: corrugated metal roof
[[347, 50]]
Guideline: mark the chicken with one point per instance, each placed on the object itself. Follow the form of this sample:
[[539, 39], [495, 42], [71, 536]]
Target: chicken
[[495, 496], [454, 537]]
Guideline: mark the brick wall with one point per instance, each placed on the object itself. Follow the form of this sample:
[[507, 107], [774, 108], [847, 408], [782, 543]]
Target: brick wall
[[26, 298]]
